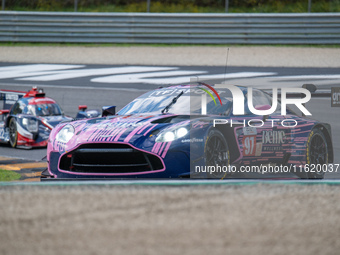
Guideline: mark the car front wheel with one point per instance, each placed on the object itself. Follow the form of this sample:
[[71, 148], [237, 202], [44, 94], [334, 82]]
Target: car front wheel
[[216, 155], [13, 133]]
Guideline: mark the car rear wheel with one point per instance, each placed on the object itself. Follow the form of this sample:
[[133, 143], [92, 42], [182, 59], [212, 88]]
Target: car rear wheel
[[216, 155], [13, 133], [317, 154]]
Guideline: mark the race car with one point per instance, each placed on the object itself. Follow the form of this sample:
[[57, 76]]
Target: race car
[[28, 118], [180, 131]]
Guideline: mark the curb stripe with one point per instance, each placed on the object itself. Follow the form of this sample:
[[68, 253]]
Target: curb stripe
[[30, 175], [32, 180], [6, 158], [18, 167]]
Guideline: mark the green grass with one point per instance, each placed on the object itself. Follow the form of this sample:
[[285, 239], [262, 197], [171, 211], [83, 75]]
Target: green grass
[[274, 7], [6, 175]]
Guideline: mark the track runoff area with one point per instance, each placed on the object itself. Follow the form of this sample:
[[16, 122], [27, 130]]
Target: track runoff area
[[135, 80]]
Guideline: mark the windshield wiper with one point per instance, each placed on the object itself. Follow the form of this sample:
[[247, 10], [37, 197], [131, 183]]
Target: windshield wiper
[[173, 101]]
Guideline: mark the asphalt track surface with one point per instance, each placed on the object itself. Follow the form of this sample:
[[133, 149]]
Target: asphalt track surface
[[100, 85], [182, 218], [174, 183]]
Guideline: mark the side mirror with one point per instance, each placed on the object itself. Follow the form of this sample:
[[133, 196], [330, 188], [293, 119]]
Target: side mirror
[[108, 110], [86, 114]]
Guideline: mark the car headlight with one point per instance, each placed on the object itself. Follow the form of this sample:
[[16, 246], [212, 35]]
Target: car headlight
[[171, 135], [30, 124], [65, 134]]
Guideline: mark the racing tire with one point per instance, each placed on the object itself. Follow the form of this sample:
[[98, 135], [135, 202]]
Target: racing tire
[[316, 153], [13, 133], [216, 152]]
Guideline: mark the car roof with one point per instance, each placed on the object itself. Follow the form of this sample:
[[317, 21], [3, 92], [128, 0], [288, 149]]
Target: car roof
[[40, 100], [187, 86]]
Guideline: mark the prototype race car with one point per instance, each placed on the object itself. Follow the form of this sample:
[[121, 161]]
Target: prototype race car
[[175, 132], [28, 118]]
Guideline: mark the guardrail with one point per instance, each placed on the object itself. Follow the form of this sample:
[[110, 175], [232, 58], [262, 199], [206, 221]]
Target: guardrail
[[311, 28]]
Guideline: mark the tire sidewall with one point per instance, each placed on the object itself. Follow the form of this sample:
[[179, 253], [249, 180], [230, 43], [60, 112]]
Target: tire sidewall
[[315, 132], [13, 122], [216, 133]]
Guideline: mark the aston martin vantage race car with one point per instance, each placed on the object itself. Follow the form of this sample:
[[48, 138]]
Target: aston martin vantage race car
[[179, 131]]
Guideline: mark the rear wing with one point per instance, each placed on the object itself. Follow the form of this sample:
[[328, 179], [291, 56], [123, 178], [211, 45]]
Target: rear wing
[[9, 97], [314, 91], [317, 93]]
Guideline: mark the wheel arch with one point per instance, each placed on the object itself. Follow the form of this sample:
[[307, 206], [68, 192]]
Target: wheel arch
[[228, 133], [8, 119], [326, 131]]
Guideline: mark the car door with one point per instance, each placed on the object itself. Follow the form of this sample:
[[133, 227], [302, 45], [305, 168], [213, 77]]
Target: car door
[[264, 139]]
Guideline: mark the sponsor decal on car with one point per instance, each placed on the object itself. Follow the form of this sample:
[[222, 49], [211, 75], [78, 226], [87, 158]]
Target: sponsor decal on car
[[272, 140], [273, 137], [192, 140], [249, 131]]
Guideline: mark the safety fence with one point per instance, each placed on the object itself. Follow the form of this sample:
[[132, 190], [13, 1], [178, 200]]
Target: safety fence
[[169, 28]]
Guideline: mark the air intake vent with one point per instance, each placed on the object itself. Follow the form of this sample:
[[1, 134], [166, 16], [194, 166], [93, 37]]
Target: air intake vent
[[109, 158]]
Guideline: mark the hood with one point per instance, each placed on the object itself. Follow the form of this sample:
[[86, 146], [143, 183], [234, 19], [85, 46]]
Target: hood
[[125, 129]]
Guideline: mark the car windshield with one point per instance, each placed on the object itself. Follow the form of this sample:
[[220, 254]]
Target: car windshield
[[44, 110], [189, 102]]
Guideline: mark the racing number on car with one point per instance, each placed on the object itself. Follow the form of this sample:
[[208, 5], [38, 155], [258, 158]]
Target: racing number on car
[[249, 145]]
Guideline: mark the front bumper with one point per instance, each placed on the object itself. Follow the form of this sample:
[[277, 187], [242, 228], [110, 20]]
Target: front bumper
[[112, 161]]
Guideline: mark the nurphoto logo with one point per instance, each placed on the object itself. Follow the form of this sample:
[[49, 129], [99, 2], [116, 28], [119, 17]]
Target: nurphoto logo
[[239, 100]]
